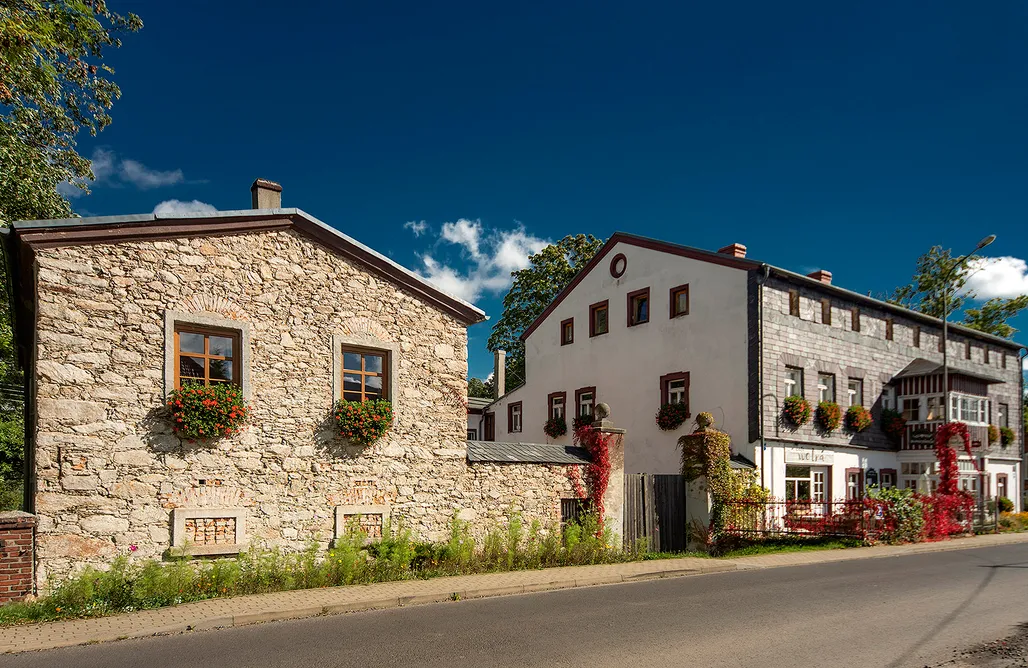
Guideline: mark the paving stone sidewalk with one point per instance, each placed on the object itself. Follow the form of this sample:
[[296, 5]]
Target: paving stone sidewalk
[[242, 610]]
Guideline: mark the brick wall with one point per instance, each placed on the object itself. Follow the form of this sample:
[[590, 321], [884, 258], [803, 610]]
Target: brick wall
[[17, 539]]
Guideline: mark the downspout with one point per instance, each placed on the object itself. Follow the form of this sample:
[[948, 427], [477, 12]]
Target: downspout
[[766, 272]]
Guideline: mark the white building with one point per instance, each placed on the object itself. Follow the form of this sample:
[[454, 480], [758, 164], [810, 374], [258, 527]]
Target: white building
[[648, 323]]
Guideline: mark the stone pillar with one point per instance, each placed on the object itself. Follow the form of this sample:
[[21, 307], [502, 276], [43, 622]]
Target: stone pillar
[[17, 543], [614, 498]]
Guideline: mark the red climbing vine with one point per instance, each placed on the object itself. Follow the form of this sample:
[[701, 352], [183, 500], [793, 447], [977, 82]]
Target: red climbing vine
[[949, 509], [597, 471]]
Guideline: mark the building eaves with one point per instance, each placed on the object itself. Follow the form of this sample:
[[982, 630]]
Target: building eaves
[[525, 453], [74, 231]]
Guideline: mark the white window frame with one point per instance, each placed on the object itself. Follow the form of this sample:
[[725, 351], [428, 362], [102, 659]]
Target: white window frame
[[969, 409], [855, 391], [585, 399], [515, 419], [676, 391], [557, 407], [938, 402], [793, 380], [889, 398], [825, 387]]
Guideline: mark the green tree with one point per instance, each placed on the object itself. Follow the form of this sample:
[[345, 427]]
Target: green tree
[[925, 294], [549, 271], [53, 84], [483, 389]]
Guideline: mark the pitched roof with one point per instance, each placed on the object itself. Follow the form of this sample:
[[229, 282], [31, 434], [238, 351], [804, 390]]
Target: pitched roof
[[113, 229], [923, 367], [525, 453], [748, 264]]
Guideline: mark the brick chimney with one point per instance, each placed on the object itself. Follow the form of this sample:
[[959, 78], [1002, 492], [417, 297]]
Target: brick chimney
[[499, 373], [735, 250], [265, 194], [821, 275]]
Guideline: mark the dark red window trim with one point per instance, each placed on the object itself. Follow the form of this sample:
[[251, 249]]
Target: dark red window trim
[[592, 317], [568, 321], [613, 265], [674, 302], [666, 379], [510, 417], [645, 292], [549, 404], [881, 476], [578, 397]]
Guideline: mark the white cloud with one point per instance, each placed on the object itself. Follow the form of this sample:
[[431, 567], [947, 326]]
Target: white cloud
[[174, 207], [418, 227], [144, 178], [490, 257], [70, 191], [998, 277], [103, 164]]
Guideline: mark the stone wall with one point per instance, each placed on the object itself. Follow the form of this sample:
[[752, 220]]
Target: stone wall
[[808, 342], [109, 469], [17, 531]]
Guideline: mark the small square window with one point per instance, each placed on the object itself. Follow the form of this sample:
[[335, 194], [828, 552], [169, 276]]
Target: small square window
[[674, 389], [585, 400], [567, 332], [556, 405], [206, 356], [638, 307], [514, 418], [598, 320], [793, 381], [365, 374], [912, 410], [825, 387], [679, 301], [855, 392]]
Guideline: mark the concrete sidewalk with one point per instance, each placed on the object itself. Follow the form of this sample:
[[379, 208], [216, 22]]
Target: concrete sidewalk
[[239, 611]]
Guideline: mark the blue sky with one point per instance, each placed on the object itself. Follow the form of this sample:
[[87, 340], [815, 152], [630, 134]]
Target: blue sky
[[844, 136]]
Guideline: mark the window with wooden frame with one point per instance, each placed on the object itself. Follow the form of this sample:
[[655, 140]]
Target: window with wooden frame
[[888, 329], [794, 303], [599, 322], [555, 405], [826, 311], [674, 389], [917, 336], [679, 298], [638, 307], [365, 374], [855, 319], [567, 332], [206, 356], [514, 417], [887, 478], [585, 401]]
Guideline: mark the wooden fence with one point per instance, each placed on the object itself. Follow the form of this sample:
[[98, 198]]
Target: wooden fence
[[655, 511]]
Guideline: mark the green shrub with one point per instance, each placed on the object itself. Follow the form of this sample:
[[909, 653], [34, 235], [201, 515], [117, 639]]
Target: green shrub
[[903, 511], [1005, 505]]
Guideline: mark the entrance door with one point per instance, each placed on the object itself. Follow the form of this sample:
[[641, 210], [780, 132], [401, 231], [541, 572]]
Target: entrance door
[[490, 427]]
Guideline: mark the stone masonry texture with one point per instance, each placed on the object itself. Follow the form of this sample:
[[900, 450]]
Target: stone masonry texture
[[110, 470], [807, 342], [17, 531]]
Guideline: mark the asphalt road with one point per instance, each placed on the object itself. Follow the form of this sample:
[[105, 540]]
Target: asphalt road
[[903, 611]]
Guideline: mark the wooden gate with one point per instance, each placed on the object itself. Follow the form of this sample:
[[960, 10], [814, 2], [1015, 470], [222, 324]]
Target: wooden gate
[[655, 511]]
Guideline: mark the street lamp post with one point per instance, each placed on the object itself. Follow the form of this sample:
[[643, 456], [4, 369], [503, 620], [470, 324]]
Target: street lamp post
[[945, 322]]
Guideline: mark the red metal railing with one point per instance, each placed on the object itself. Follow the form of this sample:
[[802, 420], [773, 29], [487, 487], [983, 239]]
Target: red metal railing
[[807, 518]]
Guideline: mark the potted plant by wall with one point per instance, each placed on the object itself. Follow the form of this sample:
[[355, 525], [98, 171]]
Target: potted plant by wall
[[993, 434], [555, 427], [858, 418], [893, 424], [828, 416], [363, 422], [207, 412], [672, 416], [1006, 436], [796, 410]]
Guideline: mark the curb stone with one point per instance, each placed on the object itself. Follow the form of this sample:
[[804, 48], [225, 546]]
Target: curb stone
[[54, 635]]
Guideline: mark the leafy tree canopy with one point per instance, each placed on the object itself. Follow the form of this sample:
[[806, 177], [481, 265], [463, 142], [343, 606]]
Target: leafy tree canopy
[[549, 271], [483, 389], [53, 84], [925, 294]]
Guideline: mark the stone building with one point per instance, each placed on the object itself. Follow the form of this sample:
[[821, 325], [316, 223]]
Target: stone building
[[112, 311], [648, 323]]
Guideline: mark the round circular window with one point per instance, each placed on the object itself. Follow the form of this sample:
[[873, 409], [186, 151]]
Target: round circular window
[[618, 265]]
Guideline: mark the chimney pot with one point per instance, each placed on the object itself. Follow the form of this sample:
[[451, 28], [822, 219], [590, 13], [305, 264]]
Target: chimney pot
[[821, 275], [735, 250], [265, 194]]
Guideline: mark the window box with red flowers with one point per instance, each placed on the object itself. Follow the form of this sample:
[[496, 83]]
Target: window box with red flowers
[[858, 418], [582, 421], [555, 427], [207, 412], [672, 416], [363, 422], [796, 410], [893, 424], [828, 416]]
